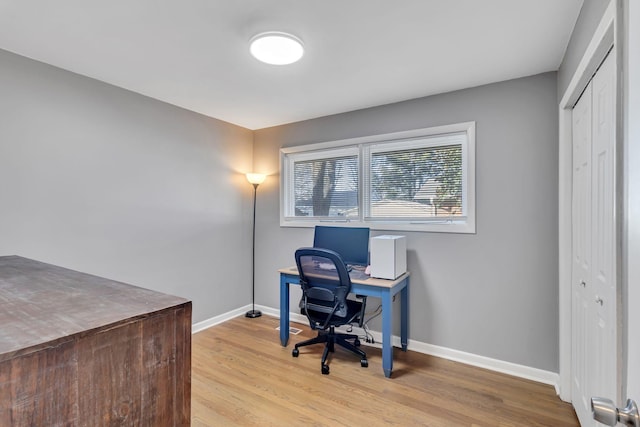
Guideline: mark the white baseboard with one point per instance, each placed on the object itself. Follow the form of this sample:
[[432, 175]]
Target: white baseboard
[[205, 324], [521, 371]]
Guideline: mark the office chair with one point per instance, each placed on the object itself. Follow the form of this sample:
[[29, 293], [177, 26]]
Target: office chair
[[325, 285]]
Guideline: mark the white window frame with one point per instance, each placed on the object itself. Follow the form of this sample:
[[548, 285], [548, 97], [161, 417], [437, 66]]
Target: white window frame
[[364, 147]]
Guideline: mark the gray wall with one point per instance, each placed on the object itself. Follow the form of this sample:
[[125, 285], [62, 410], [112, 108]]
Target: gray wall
[[105, 181], [588, 20], [493, 293]]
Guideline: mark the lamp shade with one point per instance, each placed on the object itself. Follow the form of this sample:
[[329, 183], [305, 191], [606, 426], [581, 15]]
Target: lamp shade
[[256, 178]]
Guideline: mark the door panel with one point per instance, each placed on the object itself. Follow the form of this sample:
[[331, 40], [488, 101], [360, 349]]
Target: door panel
[[594, 282], [581, 249], [604, 232]]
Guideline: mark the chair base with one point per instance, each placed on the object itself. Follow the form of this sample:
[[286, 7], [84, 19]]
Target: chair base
[[331, 338]]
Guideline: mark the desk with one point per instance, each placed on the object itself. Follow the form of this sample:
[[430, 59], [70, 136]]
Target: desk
[[380, 288]]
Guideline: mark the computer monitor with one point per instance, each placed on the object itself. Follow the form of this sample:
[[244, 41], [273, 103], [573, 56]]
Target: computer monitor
[[352, 243]]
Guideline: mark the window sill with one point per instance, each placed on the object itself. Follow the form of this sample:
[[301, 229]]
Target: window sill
[[458, 227]]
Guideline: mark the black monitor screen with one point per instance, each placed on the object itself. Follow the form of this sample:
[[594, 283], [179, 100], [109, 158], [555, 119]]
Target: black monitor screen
[[352, 243]]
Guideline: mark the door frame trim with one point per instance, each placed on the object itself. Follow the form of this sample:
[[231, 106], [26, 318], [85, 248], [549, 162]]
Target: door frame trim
[[603, 39]]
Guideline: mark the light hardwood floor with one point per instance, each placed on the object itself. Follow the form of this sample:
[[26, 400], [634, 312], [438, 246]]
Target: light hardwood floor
[[242, 376]]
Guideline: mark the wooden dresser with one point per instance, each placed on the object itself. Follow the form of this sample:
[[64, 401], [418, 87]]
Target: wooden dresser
[[81, 350]]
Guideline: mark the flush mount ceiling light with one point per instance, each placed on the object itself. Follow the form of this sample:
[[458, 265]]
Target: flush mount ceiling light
[[276, 48]]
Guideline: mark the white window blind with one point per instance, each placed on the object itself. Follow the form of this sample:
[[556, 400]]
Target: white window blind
[[325, 184], [420, 179], [327, 187]]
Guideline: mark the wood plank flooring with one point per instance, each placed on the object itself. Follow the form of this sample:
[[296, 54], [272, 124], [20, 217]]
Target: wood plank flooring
[[242, 376]]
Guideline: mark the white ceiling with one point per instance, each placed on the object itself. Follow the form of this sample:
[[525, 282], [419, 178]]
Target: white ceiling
[[359, 53]]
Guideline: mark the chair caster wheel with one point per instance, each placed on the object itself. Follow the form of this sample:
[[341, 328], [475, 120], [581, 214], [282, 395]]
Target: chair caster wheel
[[295, 352], [356, 342], [325, 369], [364, 363]]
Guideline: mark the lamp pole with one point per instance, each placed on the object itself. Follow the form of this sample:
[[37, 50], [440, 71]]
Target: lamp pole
[[255, 180]]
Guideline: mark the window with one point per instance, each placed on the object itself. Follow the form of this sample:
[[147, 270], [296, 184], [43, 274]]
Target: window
[[416, 180]]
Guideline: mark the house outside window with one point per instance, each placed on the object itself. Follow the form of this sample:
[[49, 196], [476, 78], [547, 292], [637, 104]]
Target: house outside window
[[418, 180]]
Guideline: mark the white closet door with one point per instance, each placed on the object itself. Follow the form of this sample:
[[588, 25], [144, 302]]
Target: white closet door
[[603, 272], [594, 342], [581, 346]]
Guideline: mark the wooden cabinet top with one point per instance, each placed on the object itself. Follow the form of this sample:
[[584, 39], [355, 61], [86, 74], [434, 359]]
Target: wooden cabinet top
[[41, 304]]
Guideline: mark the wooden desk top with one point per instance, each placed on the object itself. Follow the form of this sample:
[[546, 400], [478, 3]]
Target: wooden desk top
[[41, 304], [371, 281]]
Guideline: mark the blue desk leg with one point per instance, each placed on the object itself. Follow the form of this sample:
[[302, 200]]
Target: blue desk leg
[[387, 347], [284, 310], [404, 321]]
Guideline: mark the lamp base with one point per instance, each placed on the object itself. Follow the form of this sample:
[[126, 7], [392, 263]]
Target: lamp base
[[253, 314]]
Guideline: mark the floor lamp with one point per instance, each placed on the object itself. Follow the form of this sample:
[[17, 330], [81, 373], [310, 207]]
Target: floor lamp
[[255, 179]]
